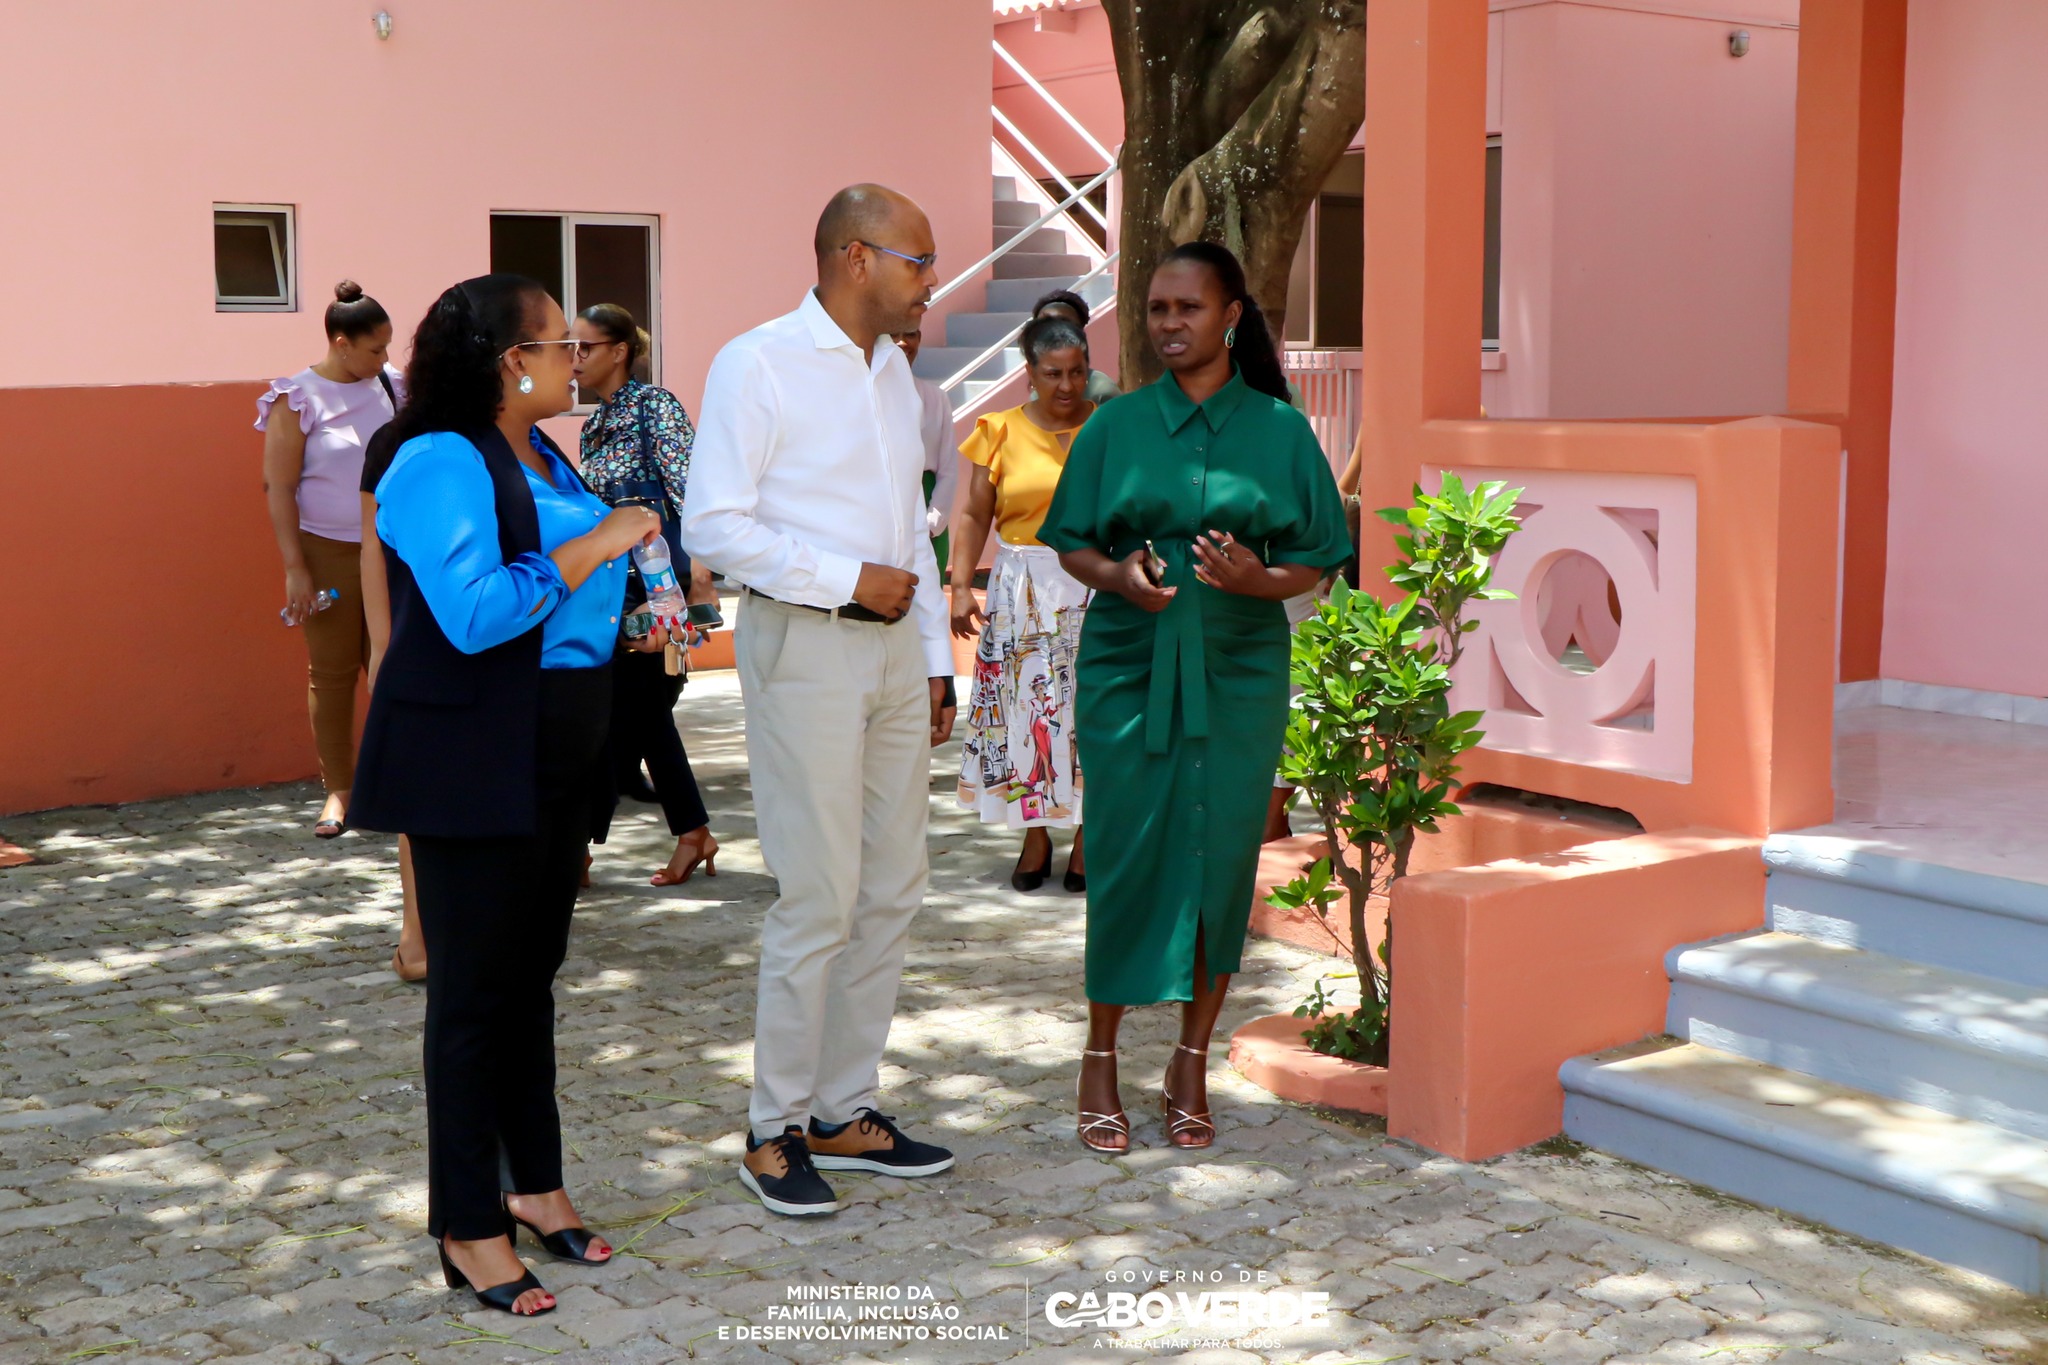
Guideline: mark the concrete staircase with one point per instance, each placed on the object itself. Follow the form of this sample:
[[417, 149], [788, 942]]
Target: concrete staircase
[[1051, 258], [1876, 1059]]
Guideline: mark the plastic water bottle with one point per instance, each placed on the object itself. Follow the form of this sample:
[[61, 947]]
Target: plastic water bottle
[[658, 573], [322, 600]]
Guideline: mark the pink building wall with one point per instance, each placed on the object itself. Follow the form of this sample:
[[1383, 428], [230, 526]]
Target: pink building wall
[[733, 122], [1646, 207], [1968, 473]]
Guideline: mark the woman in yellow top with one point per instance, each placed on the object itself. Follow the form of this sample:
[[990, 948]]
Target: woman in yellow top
[[1017, 763]]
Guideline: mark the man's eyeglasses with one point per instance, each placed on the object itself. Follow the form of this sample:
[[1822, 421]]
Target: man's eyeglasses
[[924, 262]]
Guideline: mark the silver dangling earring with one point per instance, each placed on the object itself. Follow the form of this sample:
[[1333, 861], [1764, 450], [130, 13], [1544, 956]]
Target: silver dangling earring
[[1229, 337], [526, 383]]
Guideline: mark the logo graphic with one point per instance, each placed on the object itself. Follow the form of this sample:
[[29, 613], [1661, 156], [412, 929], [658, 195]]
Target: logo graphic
[[1211, 1311]]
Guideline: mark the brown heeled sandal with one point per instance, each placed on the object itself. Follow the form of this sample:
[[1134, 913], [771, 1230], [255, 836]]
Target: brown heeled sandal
[[1115, 1125], [1179, 1121], [705, 854]]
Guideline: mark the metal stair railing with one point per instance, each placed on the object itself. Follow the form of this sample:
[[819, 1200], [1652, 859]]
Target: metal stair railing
[[1075, 195], [1034, 189], [1003, 122], [1006, 248], [1054, 104], [961, 375]]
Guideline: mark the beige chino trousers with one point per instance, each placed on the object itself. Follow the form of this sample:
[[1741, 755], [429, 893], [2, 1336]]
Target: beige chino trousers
[[838, 741]]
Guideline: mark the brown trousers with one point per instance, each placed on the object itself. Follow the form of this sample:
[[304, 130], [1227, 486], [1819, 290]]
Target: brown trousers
[[338, 650]]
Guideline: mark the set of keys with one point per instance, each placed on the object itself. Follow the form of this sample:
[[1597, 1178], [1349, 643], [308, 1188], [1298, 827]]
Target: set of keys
[[674, 658]]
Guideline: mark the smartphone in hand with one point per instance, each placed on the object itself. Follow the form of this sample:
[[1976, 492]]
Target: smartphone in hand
[[1154, 565], [706, 615]]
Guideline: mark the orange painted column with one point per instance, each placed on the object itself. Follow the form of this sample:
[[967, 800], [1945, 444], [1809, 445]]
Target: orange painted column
[[1845, 252], [1425, 145]]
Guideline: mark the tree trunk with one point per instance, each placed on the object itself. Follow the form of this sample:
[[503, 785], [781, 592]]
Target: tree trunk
[[1235, 113]]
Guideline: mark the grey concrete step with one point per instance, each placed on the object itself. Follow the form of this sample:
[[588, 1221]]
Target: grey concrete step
[[1016, 213], [1824, 889], [1017, 295], [1038, 265], [971, 390], [1951, 1188], [1045, 241], [941, 362], [1973, 1046], [981, 329], [1006, 188]]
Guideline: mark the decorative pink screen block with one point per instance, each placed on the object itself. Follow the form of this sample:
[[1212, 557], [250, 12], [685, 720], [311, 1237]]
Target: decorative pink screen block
[[1592, 662]]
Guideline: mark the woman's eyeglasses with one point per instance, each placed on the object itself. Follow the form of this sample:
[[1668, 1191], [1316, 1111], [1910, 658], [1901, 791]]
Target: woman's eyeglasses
[[556, 341]]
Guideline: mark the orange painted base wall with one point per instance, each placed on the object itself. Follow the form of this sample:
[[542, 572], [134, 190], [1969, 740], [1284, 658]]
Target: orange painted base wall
[[139, 589], [1503, 972]]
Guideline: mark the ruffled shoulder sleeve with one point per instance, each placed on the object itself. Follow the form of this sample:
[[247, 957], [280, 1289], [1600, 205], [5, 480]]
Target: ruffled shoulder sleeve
[[984, 445], [293, 391]]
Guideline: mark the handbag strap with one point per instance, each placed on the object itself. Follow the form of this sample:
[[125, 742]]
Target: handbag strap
[[389, 392], [647, 464]]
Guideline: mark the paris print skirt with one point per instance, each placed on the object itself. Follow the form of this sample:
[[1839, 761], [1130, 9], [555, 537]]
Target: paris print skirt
[[1017, 762]]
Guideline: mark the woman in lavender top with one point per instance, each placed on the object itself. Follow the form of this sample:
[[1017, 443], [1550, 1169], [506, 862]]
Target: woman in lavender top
[[312, 471]]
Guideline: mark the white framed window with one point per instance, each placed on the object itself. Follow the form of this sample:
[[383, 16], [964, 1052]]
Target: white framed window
[[586, 259], [255, 258]]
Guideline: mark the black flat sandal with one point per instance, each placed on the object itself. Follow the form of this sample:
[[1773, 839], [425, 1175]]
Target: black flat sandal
[[502, 1297], [570, 1244]]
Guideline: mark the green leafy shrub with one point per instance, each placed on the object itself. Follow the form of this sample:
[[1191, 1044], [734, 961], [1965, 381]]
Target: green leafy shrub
[[1372, 741]]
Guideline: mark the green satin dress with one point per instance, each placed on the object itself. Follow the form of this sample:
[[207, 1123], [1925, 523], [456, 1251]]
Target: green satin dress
[[1179, 715]]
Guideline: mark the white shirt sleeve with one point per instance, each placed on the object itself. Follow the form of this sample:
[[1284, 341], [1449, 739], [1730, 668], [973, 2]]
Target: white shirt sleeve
[[928, 607], [941, 459], [736, 436]]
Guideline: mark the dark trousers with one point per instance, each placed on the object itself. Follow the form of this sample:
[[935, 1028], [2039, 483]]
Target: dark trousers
[[495, 914], [644, 727]]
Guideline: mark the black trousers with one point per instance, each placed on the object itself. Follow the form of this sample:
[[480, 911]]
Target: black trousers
[[644, 727], [495, 914]]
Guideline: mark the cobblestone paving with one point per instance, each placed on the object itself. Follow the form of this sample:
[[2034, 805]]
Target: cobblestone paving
[[211, 1129]]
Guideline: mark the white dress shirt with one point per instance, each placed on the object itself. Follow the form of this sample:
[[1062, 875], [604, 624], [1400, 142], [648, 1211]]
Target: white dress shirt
[[809, 462], [940, 456]]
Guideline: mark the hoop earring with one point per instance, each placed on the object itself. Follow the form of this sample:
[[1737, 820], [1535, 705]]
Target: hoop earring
[[526, 383], [1229, 337]]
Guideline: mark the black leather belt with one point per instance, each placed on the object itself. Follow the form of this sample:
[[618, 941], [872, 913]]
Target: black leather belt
[[852, 611]]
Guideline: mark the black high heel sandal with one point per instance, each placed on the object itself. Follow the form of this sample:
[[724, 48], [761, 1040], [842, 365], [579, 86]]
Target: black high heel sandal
[[502, 1297], [570, 1244], [1074, 881]]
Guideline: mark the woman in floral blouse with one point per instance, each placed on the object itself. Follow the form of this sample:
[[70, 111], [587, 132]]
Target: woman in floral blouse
[[637, 446]]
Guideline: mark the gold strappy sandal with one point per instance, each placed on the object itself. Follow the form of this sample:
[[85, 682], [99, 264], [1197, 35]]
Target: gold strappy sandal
[[1115, 1125], [1179, 1121]]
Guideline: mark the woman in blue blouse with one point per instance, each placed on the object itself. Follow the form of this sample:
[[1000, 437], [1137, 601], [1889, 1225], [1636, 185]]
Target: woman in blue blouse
[[636, 446], [486, 745]]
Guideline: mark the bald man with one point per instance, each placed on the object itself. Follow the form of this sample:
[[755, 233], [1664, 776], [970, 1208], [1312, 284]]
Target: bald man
[[806, 487]]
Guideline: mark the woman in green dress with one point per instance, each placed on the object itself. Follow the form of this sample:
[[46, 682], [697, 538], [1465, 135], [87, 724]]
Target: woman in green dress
[[1193, 508]]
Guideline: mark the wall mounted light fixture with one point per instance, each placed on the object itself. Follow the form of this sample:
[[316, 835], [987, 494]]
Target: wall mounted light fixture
[[1738, 43], [381, 21]]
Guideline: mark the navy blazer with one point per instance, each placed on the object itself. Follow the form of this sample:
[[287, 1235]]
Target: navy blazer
[[449, 748]]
